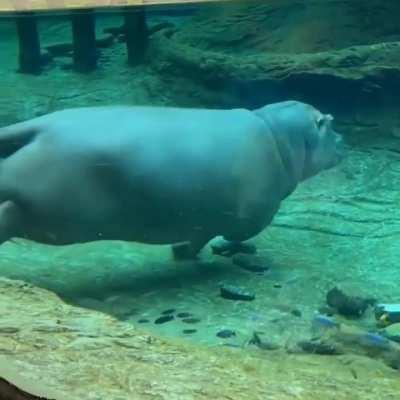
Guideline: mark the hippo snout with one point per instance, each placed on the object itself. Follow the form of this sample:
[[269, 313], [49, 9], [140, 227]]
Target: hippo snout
[[340, 145], [340, 150]]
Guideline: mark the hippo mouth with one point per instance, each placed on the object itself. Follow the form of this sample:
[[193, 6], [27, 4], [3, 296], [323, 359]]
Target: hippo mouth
[[341, 151]]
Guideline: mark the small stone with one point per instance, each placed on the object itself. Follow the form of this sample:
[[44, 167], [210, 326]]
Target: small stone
[[8, 330], [169, 311], [189, 331], [236, 293], [143, 321], [164, 319], [249, 262], [191, 320], [318, 347], [226, 333], [296, 313], [184, 315]]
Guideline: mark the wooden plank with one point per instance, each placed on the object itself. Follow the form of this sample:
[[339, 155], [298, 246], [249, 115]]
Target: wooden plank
[[33, 5]]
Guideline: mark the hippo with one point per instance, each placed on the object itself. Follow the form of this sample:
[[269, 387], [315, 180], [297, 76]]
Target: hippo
[[158, 175]]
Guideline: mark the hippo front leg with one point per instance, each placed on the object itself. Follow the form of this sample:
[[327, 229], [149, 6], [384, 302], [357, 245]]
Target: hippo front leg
[[10, 220], [189, 250], [228, 248]]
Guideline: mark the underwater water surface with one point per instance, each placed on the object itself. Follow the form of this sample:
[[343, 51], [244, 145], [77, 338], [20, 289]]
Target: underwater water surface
[[320, 231]]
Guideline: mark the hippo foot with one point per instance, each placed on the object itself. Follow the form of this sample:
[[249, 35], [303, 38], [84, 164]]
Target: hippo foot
[[183, 251], [228, 249]]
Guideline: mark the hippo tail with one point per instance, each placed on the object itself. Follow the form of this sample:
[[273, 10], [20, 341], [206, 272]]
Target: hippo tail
[[14, 137]]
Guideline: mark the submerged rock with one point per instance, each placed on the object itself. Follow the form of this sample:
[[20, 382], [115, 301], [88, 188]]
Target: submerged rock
[[348, 306], [235, 293], [250, 55], [164, 319]]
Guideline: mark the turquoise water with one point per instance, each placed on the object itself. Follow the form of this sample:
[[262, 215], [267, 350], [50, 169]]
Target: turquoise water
[[337, 229]]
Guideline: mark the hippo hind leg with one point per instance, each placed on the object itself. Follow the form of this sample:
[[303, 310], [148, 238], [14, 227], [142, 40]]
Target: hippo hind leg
[[10, 220]]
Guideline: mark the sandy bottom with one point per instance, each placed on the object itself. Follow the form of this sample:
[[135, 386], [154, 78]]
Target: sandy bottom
[[335, 230]]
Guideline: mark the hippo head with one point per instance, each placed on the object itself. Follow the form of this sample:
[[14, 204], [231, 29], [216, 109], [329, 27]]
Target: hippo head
[[324, 148], [305, 138]]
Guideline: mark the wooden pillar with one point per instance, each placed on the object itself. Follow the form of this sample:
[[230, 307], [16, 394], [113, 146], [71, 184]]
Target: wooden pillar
[[84, 40], [29, 44], [137, 35]]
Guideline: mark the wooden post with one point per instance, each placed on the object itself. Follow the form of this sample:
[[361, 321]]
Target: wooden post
[[136, 33], [84, 40], [29, 44]]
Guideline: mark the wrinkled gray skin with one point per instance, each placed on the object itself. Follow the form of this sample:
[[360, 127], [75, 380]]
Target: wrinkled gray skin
[[157, 175]]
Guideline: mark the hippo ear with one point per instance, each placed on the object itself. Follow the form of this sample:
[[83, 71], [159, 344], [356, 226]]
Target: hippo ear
[[320, 120], [322, 123], [323, 119]]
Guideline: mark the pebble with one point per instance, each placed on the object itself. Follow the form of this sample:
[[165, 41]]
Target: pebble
[[189, 331], [235, 293], [191, 320], [184, 315], [164, 319], [226, 333]]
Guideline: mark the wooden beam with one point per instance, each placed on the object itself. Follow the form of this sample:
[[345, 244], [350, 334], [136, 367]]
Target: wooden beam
[[136, 34], [29, 57], [42, 5], [84, 40]]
